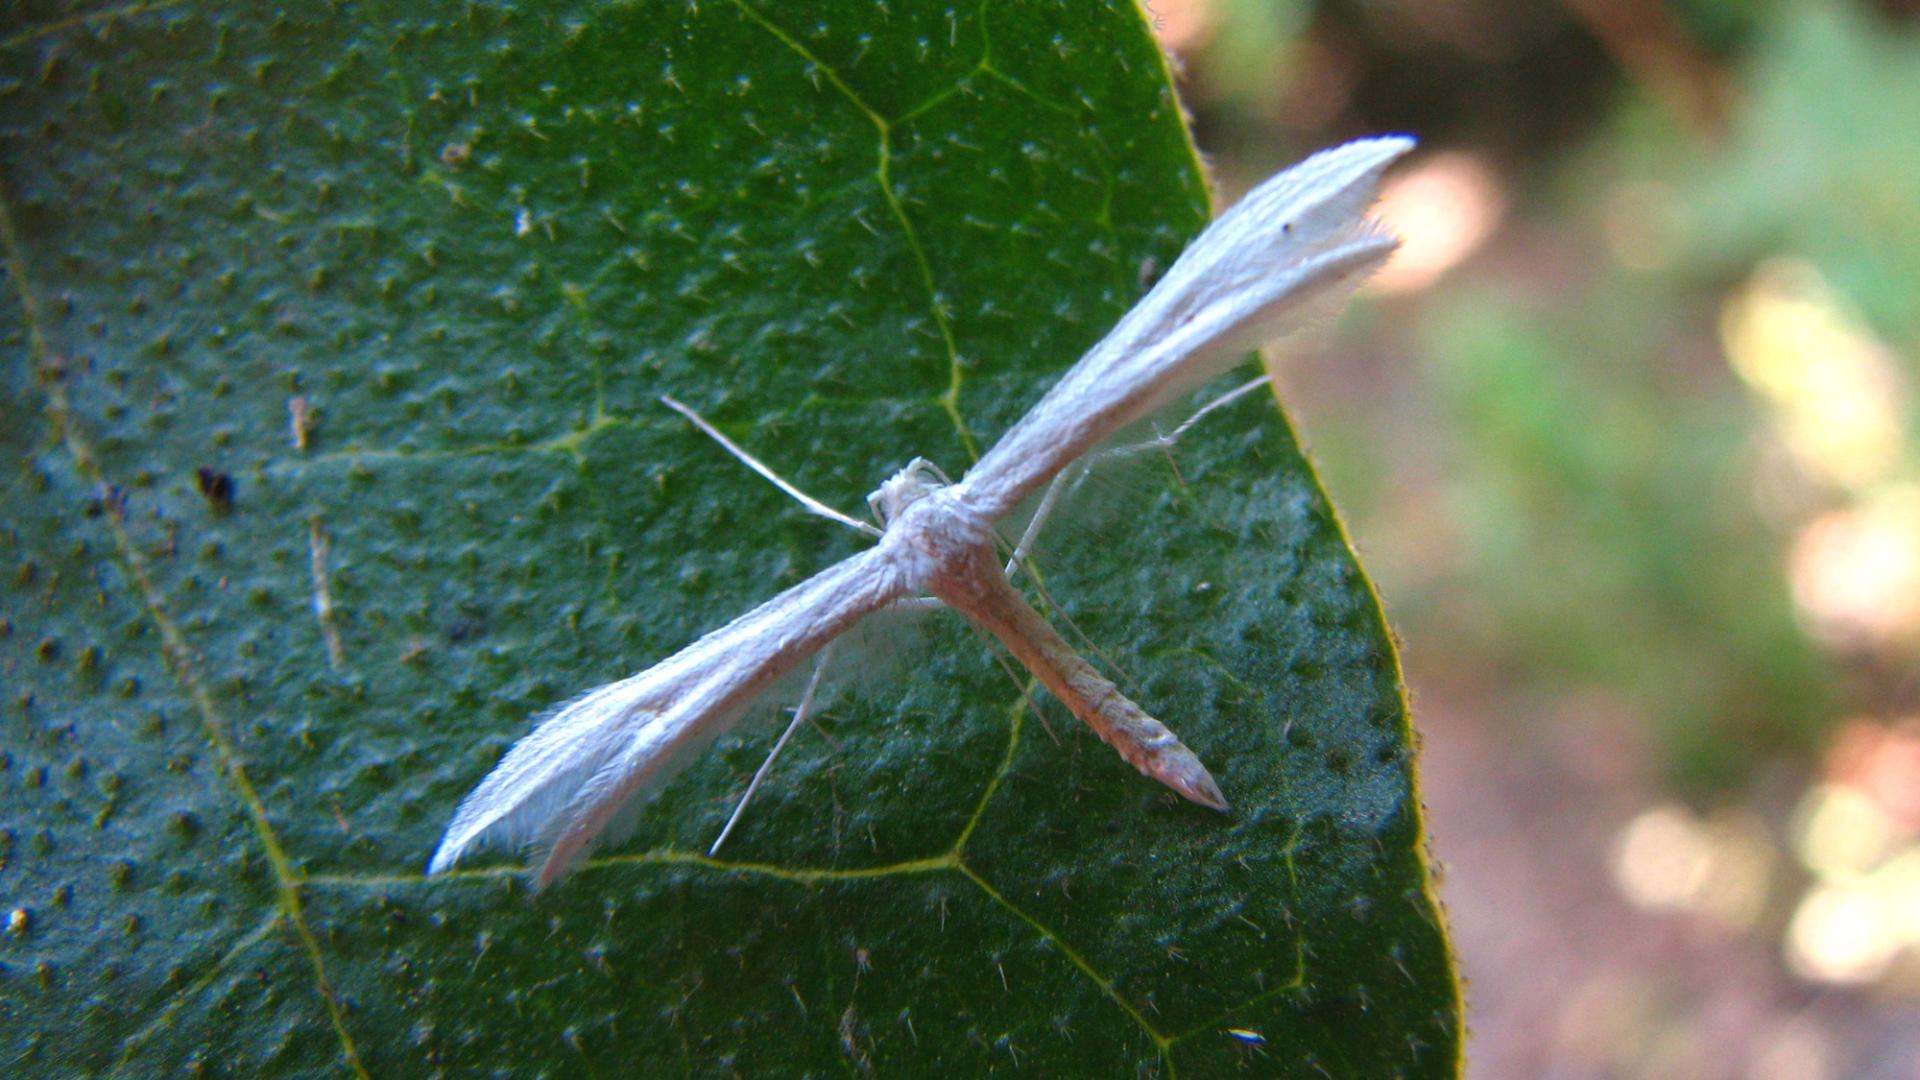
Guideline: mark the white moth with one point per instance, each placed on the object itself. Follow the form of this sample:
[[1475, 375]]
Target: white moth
[[1299, 237]]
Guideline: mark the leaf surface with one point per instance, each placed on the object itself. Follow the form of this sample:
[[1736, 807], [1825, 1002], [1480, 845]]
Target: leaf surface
[[336, 457]]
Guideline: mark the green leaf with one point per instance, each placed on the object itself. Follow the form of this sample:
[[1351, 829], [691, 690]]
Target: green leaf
[[253, 664]]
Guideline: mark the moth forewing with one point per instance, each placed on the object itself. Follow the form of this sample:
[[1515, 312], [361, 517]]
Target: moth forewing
[[562, 784], [1295, 240]]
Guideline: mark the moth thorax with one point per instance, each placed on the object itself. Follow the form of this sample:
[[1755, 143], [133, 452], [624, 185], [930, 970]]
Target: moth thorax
[[915, 482]]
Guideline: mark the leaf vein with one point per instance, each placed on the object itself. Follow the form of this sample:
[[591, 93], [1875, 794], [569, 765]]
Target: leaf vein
[[177, 653]]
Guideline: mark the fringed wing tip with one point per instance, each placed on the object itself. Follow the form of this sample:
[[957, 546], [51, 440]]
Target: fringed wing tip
[[552, 869], [531, 790], [1376, 151], [463, 835], [1398, 142], [462, 838], [455, 845], [446, 855], [475, 825]]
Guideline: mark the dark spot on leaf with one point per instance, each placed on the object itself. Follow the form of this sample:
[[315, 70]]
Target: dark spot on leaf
[[112, 500], [216, 487]]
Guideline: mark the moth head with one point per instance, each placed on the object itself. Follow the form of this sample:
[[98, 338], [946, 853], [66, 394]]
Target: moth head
[[904, 488]]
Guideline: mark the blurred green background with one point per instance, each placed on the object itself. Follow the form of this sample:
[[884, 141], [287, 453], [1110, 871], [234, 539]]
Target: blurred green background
[[1627, 438]]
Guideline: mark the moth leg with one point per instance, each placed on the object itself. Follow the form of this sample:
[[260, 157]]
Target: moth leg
[[1072, 474], [1221, 402], [799, 716], [813, 505], [1040, 515]]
